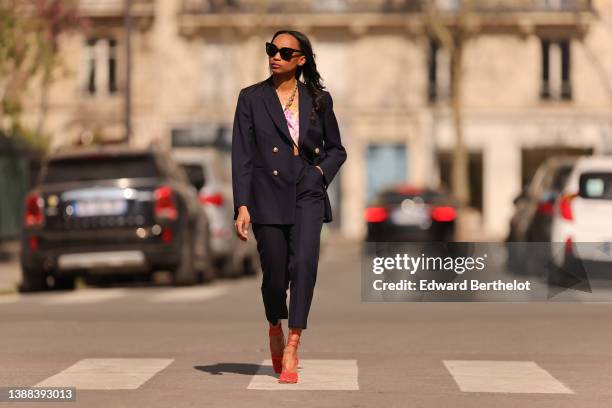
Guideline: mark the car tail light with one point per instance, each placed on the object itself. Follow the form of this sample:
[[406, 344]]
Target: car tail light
[[214, 199], [165, 206], [545, 208], [443, 214], [568, 246], [565, 206], [33, 243], [375, 214], [33, 210], [166, 235]]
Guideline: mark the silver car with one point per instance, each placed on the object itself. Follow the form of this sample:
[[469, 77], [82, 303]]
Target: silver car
[[233, 257]]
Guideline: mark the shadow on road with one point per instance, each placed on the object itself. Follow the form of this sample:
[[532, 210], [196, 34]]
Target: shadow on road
[[235, 368]]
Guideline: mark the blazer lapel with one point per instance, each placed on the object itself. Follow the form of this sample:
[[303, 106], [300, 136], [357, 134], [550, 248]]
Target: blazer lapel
[[275, 110], [273, 105], [305, 108]]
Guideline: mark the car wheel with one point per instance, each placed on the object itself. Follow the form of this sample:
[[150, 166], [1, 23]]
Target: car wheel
[[207, 268], [33, 280], [510, 257], [569, 274], [185, 274], [554, 276], [209, 274], [537, 261], [560, 275], [225, 266], [515, 260], [64, 282], [249, 268], [234, 268]]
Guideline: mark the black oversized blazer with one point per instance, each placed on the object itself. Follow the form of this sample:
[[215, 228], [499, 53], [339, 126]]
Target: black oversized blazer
[[263, 177]]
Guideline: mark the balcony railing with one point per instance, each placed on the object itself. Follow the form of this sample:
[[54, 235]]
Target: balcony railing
[[378, 6], [115, 8], [293, 6], [526, 5]]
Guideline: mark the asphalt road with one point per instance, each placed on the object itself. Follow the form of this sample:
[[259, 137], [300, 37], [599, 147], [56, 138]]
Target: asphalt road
[[158, 346]]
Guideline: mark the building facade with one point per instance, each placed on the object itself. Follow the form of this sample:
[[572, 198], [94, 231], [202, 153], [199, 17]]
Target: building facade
[[537, 80]]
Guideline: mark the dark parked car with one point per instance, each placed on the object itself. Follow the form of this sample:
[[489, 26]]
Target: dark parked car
[[407, 213], [532, 218], [113, 210]]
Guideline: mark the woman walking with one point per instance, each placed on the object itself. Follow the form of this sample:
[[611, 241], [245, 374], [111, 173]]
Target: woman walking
[[286, 150]]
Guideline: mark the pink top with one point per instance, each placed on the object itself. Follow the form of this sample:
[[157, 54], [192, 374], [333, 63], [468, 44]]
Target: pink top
[[293, 120]]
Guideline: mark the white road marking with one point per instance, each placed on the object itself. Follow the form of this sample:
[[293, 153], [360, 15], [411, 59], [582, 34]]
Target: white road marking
[[84, 296], [504, 376], [312, 375], [107, 373], [190, 294]]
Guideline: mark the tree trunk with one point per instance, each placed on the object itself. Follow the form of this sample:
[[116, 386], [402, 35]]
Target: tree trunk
[[460, 176], [44, 101], [461, 187]]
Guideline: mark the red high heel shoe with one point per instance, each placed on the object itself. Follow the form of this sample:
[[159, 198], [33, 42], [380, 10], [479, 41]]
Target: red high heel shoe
[[287, 377], [277, 360]]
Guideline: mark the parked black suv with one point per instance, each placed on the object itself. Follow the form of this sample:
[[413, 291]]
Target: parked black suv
[[113, 209]]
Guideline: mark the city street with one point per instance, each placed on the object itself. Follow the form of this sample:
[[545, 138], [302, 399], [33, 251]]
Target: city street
[[159, 346], [453, 160]]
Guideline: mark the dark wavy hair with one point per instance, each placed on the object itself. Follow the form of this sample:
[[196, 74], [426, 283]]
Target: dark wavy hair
[[312, 78]]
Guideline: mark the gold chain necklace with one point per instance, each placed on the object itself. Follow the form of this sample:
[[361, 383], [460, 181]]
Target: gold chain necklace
[[292, 96], [295, 147]]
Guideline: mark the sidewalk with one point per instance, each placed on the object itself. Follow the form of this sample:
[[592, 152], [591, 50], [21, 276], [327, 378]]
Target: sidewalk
[[10, 271]]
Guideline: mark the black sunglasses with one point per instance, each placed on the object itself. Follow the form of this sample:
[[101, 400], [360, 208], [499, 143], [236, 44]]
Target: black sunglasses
[[286, 53]]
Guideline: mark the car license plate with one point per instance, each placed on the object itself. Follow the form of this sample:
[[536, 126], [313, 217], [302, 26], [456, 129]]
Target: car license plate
[[101, 207], [416, 216]]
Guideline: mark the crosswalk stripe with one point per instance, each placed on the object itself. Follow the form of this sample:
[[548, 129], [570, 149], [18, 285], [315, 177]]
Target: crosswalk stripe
[[84, 296], [190, 294], [313, 375], [504, 376], [107, 373]]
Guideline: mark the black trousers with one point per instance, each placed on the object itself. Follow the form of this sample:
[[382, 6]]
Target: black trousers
[[289, 253]]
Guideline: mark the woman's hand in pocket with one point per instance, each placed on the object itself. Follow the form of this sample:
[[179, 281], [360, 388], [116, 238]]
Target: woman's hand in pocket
[[322, 176]]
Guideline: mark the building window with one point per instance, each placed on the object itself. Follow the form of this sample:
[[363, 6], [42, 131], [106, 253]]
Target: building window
[[386, 166], [91, 66], [555, 4], [449, 5], [556, 82], [439, 72], [101, 66], [112, 66]]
